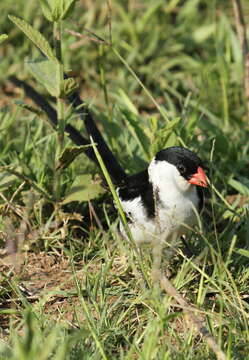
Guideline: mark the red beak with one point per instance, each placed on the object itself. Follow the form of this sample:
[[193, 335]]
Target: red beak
[[199, 178]]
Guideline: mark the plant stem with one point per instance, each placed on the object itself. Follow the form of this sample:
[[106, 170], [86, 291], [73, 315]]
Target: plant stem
[[121, 212], [242, 35], [190, 311], [59, 103]]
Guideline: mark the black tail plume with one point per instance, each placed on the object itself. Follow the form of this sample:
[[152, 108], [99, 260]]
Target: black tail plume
[[111, 163]]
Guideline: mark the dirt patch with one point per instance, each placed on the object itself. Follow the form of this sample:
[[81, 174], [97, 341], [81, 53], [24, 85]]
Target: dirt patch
[[41, 278]]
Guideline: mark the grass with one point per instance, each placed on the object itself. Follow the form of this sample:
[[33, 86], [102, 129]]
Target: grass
[[68, 291]]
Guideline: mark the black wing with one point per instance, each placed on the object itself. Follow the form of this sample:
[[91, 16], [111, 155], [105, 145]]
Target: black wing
[[138, 185]]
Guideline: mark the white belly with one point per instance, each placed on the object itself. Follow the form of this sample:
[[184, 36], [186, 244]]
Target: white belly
[[172, 216]]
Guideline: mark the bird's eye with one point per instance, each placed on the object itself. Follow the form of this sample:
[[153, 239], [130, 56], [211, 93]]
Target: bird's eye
[[181, 169]]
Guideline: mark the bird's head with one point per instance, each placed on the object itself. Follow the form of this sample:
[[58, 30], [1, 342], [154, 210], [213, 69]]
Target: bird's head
[[180, 165]]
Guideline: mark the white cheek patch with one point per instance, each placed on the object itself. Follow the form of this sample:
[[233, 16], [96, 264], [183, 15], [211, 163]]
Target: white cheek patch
[[177, 197], [165, 177], [162, 174]]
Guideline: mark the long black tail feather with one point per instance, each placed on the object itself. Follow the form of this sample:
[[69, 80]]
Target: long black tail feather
[[115, 170], [111, 163]]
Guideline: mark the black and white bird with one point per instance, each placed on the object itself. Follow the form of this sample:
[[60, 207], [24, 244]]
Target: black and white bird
[[163, 200], [160, 202]]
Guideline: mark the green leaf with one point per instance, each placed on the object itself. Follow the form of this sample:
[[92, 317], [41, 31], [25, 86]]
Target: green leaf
[[166, 136], [68, 8], [6, 180], [35, 36], [243, 252], [57, 9], [204, 32], [28, 107], [44, 71], [241, 188], [68, 86], [3, 37], [128, 102], [46, 9], [69, 154], [137, 131], [83, 189], [61, 8], [30, 182]]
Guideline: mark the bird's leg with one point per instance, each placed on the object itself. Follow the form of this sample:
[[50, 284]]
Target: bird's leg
[[156, 272], [171, 241], [135, 269], [188, 250], [157, 244]]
